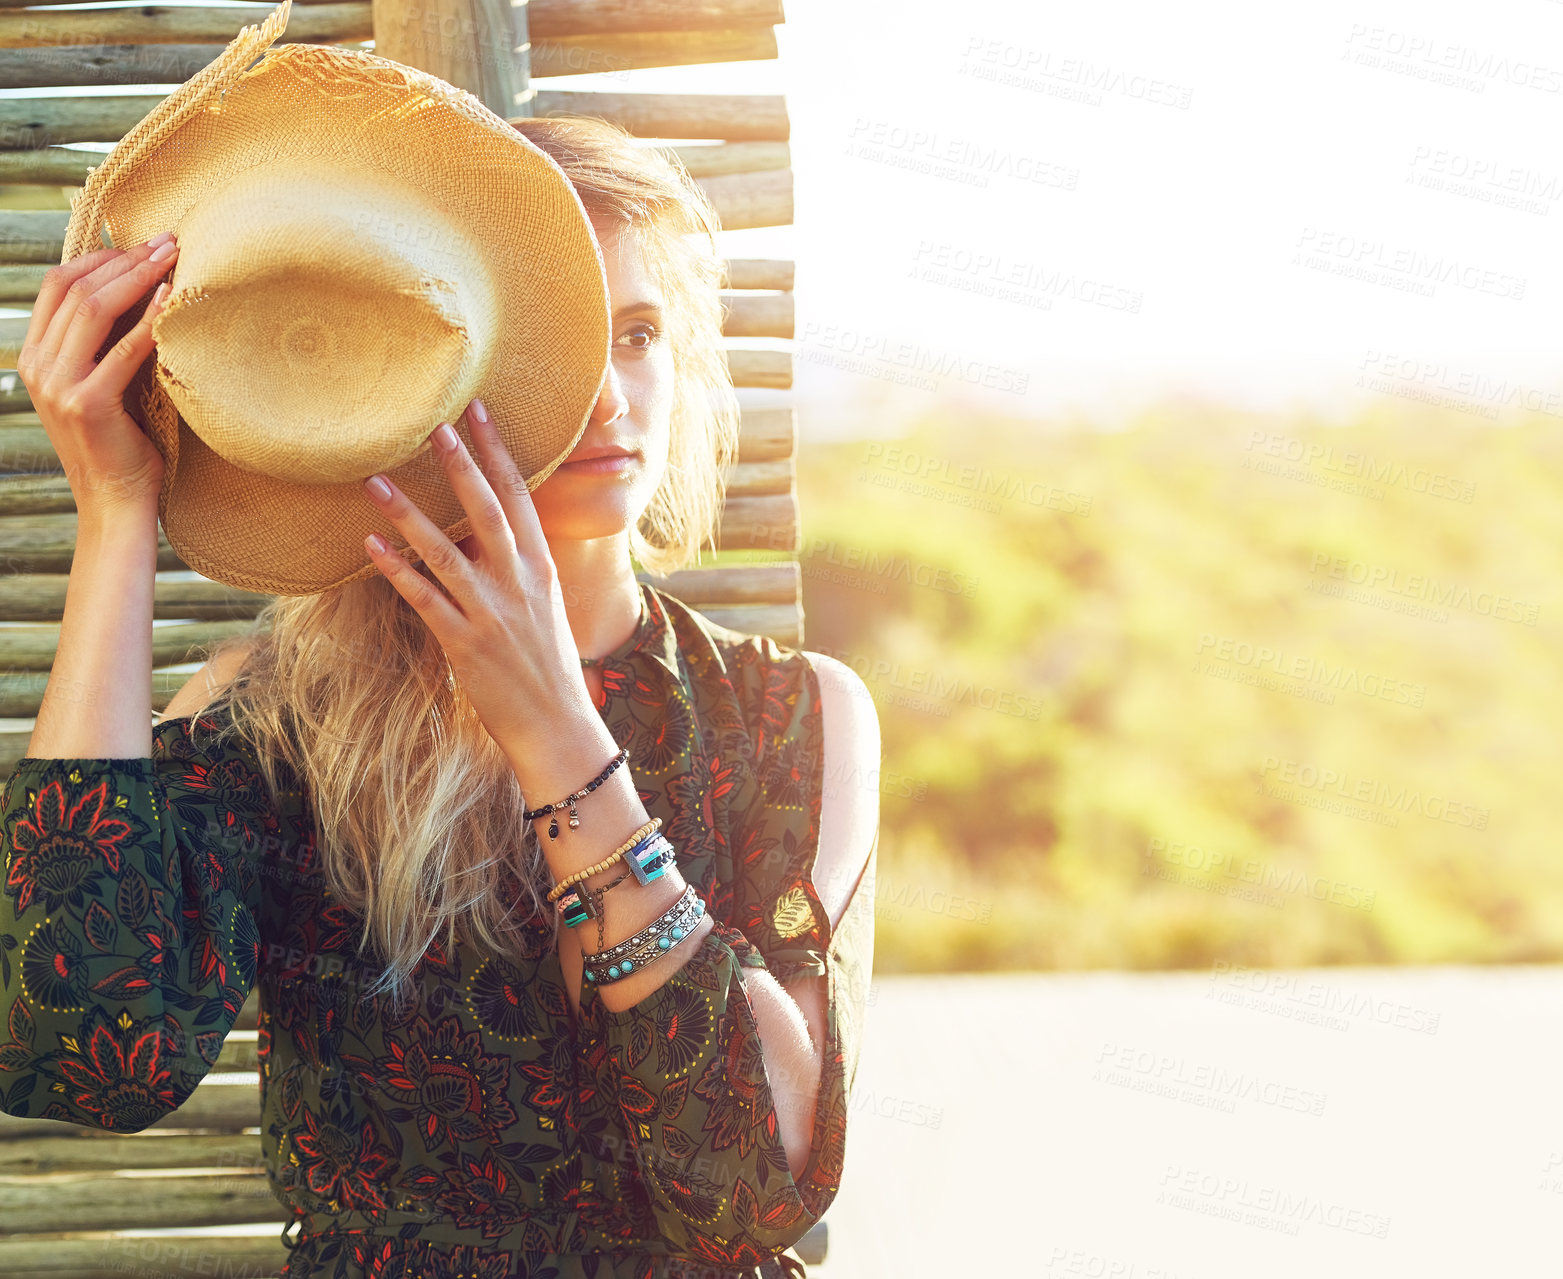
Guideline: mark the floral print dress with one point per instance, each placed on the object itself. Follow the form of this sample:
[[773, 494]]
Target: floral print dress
[[478, 1129]]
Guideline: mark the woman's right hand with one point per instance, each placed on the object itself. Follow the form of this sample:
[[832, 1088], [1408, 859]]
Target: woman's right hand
[[109, 461]]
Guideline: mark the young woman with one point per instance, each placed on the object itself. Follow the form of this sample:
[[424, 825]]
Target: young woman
[[341, 809]]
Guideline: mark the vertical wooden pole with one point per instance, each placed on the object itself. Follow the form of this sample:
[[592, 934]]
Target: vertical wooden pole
[[525, 95], [478, 45]]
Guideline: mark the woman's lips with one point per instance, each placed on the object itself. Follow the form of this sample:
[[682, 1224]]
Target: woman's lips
[[610, 465]]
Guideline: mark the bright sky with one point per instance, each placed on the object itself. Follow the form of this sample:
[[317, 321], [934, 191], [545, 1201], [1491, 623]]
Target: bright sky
[[1251, 203], [1082, 209]]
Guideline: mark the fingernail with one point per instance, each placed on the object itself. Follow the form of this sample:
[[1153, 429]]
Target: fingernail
[[377, 544], [378, 487], [159, 238], [479, 412], [163, 251], [162, 292], [445, 437]]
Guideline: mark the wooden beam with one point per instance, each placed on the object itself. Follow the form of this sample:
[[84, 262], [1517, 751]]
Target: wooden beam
[[562, 55], [47, 544], [171, 24], [110, 1202], [759, 273], [745, 200], [760, 524], [638, 50], [164, 1256], [114, 64], [772, 369], [32, 235], [710, 159], [748, 315], [547, 17], [51, 166], [40, 597], [476, 45], [753, 118], [67, 167], [86, 1151], [21, 692], [31, 647], [769, 604], [27, 124]]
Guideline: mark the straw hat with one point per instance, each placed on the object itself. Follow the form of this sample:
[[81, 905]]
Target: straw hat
[[363, 249]]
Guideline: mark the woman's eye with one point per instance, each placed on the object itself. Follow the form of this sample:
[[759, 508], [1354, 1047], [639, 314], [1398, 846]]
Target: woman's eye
[[650, 332]]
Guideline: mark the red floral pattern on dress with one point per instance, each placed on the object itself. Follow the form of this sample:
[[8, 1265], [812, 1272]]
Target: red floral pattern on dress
[[118, 1073], [341, 1159], [63, 844]]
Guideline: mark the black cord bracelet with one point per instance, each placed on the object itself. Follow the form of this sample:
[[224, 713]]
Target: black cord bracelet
[[569, 800]]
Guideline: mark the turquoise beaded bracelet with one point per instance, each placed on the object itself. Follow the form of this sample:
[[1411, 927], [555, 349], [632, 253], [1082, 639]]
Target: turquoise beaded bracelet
[[676, 923]]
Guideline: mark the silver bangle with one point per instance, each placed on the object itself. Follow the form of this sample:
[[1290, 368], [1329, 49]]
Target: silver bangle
[[634, 953]]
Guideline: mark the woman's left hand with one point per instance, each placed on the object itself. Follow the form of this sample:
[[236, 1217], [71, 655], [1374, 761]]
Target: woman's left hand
[[503, 626]]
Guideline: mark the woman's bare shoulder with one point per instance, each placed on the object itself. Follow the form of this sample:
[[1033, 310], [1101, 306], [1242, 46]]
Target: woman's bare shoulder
[[210, 680]]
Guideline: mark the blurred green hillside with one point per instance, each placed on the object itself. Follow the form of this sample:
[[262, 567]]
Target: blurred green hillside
[[1212, 688]]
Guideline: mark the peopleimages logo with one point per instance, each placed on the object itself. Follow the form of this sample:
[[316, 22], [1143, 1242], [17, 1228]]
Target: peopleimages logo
[[1353, 464], [1432, 58], [1213, 865], [1400, 797], [1203, 1083], [1033, 68], [971, 160], [1424, 588], [861, 563], [1306, 998], [851, 349], [1257, 1204], [1009, 280], [933, 469], [1261, 659], [885, 678], [1370, 256]]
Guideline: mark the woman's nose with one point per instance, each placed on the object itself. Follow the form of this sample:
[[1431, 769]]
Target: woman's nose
[[611, 401]]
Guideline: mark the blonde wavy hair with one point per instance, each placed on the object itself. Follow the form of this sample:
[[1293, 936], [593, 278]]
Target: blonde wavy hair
[[417, 813]]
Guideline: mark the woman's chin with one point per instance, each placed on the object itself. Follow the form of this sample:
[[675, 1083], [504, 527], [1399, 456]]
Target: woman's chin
[[581, 522]]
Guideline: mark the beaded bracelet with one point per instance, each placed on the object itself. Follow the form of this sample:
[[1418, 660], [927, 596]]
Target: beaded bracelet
[[577, 904], [575, 818], [648, 950], [648, 859], [650, 931], [617, 962], [655, 824], [652, 935]]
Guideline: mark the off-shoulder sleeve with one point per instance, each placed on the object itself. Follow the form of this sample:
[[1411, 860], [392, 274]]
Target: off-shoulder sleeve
[[128, 937], [690, 1072]]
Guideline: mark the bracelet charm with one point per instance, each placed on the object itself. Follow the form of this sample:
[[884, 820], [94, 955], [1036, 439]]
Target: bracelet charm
[[551, 811]]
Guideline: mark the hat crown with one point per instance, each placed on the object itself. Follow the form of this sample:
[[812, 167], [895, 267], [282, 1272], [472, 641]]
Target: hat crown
[[436, 147], [324, 321]]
